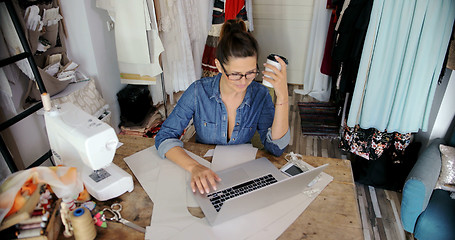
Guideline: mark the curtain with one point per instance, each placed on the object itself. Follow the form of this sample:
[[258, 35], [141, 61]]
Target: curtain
[[316, 84], [402, 57]]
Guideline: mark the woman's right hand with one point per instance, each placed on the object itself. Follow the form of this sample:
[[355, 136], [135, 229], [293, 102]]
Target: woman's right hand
[[202, 178]]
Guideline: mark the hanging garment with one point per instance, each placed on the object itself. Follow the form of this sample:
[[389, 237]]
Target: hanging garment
[[326, 66], [249, 14], [136, 38], [232, 8], [12, 41], [316, 84], [371, 143], [349, 35], [7, 108], [343, 9], [222, 11], [401, 60], [6, 97], [183, 36]]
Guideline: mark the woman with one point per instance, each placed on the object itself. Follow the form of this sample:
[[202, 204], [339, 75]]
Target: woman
[[228, 108]]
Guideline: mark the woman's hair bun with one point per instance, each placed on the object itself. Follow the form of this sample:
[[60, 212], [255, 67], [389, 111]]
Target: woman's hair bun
[[235, 41], [233, 25]]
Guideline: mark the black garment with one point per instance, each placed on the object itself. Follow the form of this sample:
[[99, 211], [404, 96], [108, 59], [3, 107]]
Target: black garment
[[389, 171], [347, 51]]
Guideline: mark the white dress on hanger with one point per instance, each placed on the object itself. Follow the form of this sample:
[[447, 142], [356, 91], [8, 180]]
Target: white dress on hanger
[[316, 84], [183, 36]]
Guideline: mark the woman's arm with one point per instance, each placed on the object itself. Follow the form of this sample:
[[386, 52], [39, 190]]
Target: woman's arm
[[279, 81], [201, 177], [168, 144]]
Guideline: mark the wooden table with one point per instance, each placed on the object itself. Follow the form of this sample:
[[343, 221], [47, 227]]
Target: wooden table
[[334, 214]]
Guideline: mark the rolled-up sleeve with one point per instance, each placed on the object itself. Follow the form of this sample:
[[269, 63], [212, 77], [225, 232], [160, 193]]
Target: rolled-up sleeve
[[277, 146], [167, 144], [172, 128]]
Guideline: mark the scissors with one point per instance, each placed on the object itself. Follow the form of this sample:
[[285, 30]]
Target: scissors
[[115, 211]]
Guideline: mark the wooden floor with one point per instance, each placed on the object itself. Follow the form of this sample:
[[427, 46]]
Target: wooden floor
[[379, 208]]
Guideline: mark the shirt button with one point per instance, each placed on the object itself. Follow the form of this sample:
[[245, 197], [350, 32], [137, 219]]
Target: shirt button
[[233, 139], [205, 124], [237, 124], [224, 134]]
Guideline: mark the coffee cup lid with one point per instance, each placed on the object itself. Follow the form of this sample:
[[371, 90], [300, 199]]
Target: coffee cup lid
[[272, 57]]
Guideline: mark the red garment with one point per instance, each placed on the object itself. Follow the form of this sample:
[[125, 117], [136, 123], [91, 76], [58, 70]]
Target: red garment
[[208, 59], [326, 66], [232, 8], [330, 5]]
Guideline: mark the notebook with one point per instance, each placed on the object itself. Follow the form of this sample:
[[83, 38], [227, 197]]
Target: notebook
[[251, 186]]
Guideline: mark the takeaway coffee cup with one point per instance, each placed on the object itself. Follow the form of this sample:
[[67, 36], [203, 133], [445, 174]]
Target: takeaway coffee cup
[[272, 61]]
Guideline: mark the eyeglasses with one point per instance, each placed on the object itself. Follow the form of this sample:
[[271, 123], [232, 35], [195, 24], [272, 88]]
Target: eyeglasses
[[237, 76]]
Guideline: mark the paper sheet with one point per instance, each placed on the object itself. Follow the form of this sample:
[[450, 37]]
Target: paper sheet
[[167, 185], [146, 165], [226, 156], [209, 153]]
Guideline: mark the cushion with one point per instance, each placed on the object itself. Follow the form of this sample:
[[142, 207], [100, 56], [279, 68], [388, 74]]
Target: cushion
[[437, 221], [412, 203], [446, 179]]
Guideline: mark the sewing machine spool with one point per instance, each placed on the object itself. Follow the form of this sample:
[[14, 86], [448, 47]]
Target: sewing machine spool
[[82, 223]]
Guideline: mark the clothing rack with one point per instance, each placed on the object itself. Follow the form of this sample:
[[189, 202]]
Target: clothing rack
[[27, 54]]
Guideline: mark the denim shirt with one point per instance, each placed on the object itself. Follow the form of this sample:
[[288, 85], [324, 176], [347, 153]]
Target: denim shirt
[[202, 102]]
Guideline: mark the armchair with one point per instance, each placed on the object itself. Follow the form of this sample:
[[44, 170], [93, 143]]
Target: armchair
[[426, 212]]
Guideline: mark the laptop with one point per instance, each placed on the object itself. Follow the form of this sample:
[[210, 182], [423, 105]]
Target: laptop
[[250, 186]]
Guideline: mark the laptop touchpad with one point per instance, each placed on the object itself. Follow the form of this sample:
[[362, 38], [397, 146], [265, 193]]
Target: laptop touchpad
[[233, 177]]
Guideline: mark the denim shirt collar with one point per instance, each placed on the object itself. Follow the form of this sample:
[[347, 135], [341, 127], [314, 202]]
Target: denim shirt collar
[[217, 94]]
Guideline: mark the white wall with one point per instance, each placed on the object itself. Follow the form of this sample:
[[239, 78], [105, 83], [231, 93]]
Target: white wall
[[92, 46], [442, 111], [283, 27], [447, 110]]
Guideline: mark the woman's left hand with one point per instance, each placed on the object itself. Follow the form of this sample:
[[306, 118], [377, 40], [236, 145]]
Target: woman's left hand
[[278, 79]]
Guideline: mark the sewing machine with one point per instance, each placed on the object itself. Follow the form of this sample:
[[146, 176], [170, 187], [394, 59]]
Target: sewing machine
[[80, 140]]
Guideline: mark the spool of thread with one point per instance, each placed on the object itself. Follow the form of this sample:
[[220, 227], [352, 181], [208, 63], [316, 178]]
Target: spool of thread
[[31, 226], [46, 99], [36, 219], [83, 226], [30, 233]]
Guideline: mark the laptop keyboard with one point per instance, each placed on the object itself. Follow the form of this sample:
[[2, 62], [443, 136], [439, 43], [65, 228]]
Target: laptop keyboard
[[218, 198]]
